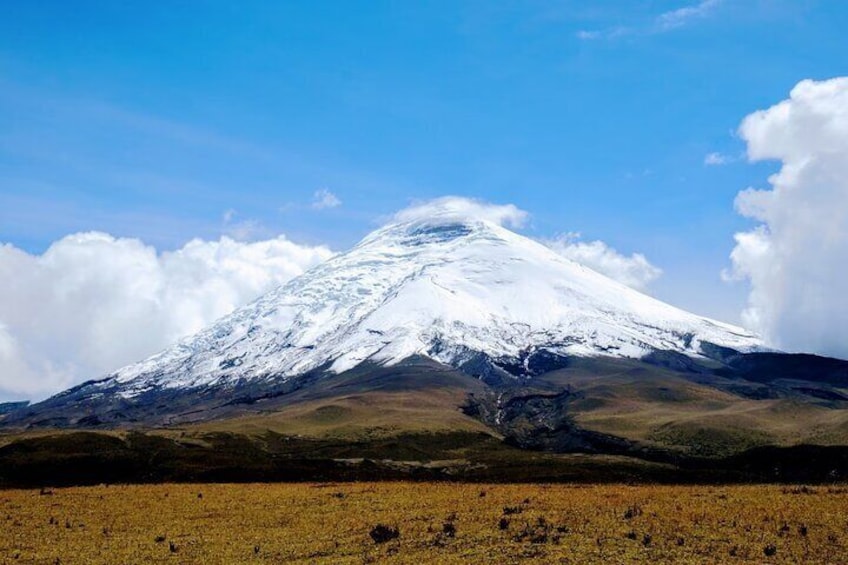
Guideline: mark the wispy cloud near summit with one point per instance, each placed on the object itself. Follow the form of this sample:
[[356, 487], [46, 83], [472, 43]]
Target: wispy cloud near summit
[[458, 207]]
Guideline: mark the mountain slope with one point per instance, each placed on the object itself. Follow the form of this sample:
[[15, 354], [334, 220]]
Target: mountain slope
[[453, 289]]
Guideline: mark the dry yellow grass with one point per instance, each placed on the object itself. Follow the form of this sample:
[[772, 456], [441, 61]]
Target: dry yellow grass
[[330, 523]]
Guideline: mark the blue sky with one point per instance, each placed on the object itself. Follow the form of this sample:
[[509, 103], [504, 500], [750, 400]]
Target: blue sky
[[160, 120]]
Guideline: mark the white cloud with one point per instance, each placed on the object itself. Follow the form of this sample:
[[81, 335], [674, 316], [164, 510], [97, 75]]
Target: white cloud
[[680, 17], [609, 33], [716, 159], [796, 258], [323, 199], [635, 271], [588, 34], [457, 207], [241, 230], [92, 302], [667, 21]]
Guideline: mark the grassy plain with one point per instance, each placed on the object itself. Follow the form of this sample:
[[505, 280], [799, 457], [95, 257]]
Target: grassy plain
[[436, 523]]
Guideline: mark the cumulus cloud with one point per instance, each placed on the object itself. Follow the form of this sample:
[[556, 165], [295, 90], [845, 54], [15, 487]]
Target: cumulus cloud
[[635, 271], [796, 257], [93, 302], [460, 208], [323, 199]]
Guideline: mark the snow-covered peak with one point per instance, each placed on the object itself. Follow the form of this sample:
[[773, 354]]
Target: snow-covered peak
[[416, 233], [448, 286]]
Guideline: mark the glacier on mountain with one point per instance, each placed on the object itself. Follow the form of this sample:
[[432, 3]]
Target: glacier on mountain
[[446, 286]]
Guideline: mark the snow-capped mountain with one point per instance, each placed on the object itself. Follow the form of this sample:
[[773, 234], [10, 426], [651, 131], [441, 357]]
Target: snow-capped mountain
[[447, 287]]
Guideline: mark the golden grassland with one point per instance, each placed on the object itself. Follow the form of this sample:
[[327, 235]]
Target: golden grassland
[[435, 522]]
